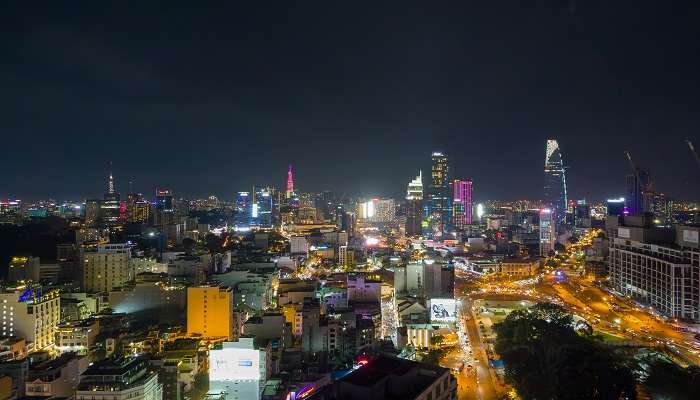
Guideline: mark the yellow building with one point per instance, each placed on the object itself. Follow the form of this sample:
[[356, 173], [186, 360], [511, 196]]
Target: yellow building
[[210, 312]]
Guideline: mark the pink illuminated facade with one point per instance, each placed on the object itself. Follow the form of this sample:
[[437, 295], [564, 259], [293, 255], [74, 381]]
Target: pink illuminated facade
[[290, 182], [462, 203]]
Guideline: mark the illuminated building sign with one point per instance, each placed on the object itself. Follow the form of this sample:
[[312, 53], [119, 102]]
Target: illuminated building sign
[[442, 310]]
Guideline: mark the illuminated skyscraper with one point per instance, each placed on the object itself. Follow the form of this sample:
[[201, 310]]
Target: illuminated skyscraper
[[548, 233], [290, 183], [555, 181], [461, 203], [439, 197], [242, 217], [414, 206], [165, 208], [262, 209], [111, 209]]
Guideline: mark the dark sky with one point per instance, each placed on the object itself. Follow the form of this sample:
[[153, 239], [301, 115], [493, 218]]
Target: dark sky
[[355, 96]]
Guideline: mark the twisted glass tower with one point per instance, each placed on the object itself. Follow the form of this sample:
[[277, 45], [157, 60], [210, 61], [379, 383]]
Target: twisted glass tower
[[555, 181]]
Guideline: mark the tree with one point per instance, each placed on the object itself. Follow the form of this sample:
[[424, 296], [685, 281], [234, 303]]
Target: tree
[[669, 381], [188, 245], [545, 358]]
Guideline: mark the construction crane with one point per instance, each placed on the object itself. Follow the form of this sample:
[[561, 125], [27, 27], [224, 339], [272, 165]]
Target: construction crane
[[695, 153], [635, 170]]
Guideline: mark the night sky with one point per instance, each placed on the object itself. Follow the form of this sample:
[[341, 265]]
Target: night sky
[[356, 96]]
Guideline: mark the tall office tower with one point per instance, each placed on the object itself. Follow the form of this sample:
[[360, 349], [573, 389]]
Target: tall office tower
[[461, 202], [324, 206], [345, 220], [31, 314], [210, 312], [555, 181], [110, 208], [92, 212], [107, 268], [582, 215], [439, 197], [165, 208], [290, 183], [637, 185], [137, 208], [243, 207], [548, 231], [261, 210], [414, 206]]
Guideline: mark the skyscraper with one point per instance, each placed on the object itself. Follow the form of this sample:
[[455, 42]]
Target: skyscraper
[[290, 183], [242, 217], [111, 208], [637, 185], [439, 199], [555, 181], [548, 233], [461, 202], [165, 208], [414, 206]]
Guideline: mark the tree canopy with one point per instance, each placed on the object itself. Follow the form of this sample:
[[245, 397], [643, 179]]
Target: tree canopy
[[545, 358]]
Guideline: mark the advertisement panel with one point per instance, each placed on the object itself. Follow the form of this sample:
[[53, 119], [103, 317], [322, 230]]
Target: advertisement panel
[[443, 310], [234, 364]]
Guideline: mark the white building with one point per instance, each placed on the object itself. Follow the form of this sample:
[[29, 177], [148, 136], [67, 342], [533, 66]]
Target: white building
[[548, 232], [31, 314], [657, 267], [364, 288], [298, 245], [107, 268], [238, 370]]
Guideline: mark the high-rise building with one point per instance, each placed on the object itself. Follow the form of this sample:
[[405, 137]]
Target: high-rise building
[[439, 198], [10, 211], [555, 181], [290, 183], [637, 185], [244, 207], [107, 268], [414, 206], [656, 266], [92, 212], [138, 209], [548, 232], [616, 207], [461, 203], [582, 215], [165, 208], [111, 209], [262, 208], [31, 313], [210, 312]]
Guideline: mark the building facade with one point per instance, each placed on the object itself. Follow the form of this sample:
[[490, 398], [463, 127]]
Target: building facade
[[555, 196]]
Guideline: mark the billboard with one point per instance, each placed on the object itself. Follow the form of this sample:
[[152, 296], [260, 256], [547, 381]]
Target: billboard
[[442, 310], [230, 364]]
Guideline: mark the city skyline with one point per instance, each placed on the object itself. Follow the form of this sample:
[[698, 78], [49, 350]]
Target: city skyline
[[233, 106]]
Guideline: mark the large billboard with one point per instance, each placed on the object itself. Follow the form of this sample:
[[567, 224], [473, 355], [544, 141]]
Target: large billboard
[[442, 310], [230, 364]]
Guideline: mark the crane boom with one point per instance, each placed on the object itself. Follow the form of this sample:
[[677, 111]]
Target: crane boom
[[695, 153], [629, 158]]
